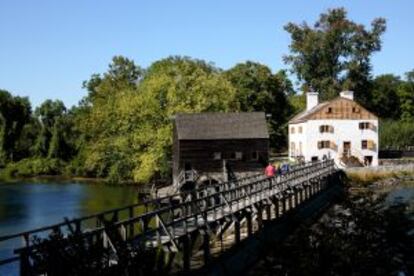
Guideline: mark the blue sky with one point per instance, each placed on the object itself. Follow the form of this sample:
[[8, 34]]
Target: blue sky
[[48, 48]]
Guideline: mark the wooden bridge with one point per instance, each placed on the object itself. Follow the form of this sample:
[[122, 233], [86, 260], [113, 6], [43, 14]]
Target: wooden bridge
[[189, 230]]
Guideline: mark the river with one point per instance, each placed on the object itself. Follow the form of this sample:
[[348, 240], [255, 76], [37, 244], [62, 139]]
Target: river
[[27, 205]]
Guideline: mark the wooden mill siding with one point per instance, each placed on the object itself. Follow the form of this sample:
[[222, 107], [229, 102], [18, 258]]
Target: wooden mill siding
[[198, 136], [200, 154]]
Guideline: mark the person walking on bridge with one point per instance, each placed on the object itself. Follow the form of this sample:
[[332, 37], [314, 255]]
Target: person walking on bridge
[[270, 170]]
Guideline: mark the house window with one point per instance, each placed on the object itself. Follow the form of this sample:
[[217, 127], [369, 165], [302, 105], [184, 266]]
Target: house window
[[326, 128], [239, 155], [300, 129], [364, 125], [217, 155], [292, 130], [324, 144], [300, 148], [255, 155], [292, 148], [329, 110], [355, 109], [364, 144]]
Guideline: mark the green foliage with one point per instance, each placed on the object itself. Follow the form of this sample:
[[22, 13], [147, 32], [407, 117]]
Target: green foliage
[[385, 101], [298, 103], [396, 134], [260, 90], [334, 53], [14, 114], [406, 94], [32, 167], [128, 131]]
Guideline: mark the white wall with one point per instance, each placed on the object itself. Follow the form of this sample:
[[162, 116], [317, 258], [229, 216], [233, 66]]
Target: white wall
[[344, 130]]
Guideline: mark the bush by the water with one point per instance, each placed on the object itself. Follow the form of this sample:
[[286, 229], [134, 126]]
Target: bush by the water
[[33, 167], [396, 134]]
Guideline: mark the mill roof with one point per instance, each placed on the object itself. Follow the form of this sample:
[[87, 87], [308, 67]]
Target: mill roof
[[221, 126]]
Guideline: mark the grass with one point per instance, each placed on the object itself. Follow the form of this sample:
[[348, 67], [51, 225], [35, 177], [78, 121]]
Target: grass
[[368, 177]]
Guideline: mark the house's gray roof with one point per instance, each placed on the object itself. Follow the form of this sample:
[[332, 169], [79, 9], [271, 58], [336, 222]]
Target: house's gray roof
[[217, 126]]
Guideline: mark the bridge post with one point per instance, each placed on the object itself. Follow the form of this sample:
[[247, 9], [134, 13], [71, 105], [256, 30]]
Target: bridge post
[[276, 207], [296, 194], [259, 211], [186, 253], [237, 230], [268, 211], [249, 223], [206, 247]]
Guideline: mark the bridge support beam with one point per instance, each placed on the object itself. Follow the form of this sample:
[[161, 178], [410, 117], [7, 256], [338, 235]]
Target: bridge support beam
[[237, 231], [206, 248], [186, 245]]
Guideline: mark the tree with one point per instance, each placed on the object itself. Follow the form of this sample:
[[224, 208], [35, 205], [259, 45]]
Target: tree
[[122, 73], [406, 95], [260, 90], [129, 131], [334, 54], [14, 114], [48, 114], [385, 101]]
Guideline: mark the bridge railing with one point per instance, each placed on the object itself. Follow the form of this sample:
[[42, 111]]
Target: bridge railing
[[192, 211]]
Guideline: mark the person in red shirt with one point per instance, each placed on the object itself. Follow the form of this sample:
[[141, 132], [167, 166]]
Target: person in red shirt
[[270, 170]]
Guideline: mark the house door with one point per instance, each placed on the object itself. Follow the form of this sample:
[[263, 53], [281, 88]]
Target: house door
[[368, 160], [347, 148]]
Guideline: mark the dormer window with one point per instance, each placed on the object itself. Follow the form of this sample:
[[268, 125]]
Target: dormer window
[[355, 110], [329, 110]]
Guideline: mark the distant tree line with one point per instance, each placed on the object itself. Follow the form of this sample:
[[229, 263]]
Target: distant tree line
[[122, 129]]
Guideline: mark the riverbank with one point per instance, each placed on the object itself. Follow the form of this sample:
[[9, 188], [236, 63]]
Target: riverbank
[[381, 175], [371, 232]]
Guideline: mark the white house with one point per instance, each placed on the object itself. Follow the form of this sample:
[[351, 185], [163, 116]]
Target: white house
[[340, 129]]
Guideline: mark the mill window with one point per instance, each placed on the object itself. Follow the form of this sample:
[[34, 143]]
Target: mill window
[[217, 156], [255, 155]]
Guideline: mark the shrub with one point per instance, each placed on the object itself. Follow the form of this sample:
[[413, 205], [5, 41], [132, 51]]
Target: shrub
[[396, 134], [34, 166]]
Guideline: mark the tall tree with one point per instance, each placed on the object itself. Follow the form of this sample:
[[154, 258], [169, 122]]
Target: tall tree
[[384, 96], [130, 134], [260, 90], [14, 114], [48, 114], [122, 73], [406, 94], [334, 54]]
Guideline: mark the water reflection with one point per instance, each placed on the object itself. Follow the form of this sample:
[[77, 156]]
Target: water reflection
[[25, 205]]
